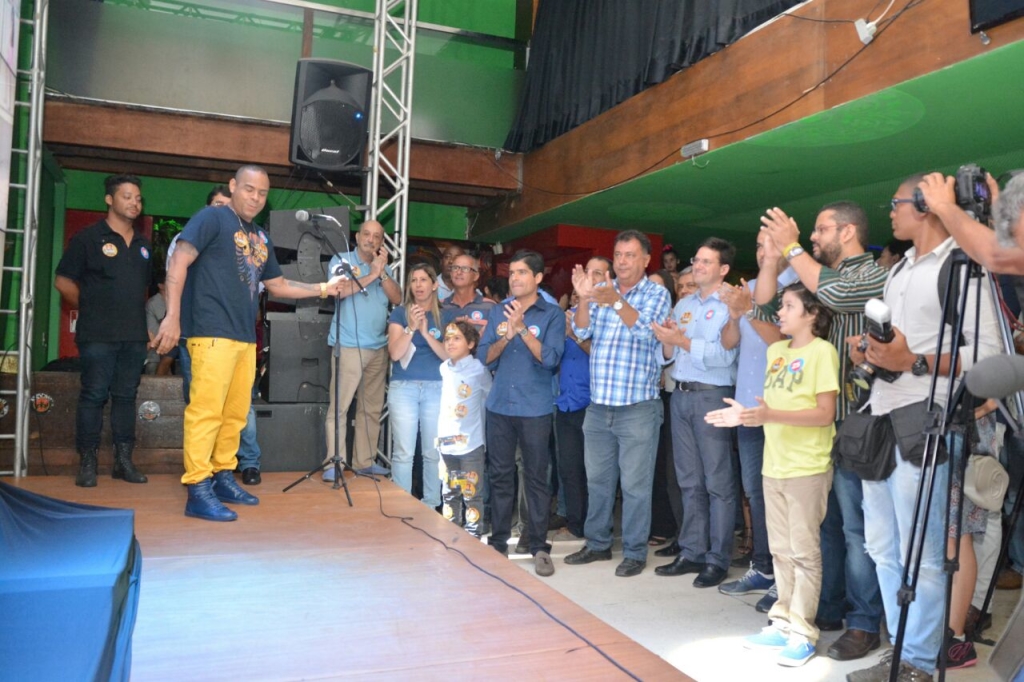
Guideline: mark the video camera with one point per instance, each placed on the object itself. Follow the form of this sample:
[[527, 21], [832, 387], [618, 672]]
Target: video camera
[[878, 324], [972, 193]]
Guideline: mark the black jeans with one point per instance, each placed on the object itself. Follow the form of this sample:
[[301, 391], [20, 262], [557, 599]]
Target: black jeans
[[108, 370], [571, 469], [532, 435]]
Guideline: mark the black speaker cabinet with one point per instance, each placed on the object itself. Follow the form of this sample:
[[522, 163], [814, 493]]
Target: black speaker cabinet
[[299, 360], [291, 437], [329, 114]]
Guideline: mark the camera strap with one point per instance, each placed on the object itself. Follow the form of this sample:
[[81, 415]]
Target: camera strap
[[945, 272]]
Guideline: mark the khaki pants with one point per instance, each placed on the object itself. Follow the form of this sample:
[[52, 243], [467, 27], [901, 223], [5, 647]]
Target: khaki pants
[[363, 373], [794, 510], [219, 399]]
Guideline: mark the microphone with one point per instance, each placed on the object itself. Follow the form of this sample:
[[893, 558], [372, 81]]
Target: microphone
[[996, 377], [345, 268], [304, 216]]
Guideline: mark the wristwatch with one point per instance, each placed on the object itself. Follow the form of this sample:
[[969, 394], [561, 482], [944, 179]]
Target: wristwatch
[[920, 367], [794, 252], [384, 276], [523, 332], [323, 290], [617, 306], [408, 330], [750, 314]]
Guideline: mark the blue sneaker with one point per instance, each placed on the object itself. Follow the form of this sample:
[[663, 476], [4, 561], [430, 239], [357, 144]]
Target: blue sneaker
[[769, 638], [796, 652], [375, 470], [329, 474], [765, 603], [752, 581]]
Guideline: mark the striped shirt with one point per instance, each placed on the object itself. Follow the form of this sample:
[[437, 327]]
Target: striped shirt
[[625, 361], [845, 290]]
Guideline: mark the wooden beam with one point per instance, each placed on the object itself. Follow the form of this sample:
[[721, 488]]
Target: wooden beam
[[111, 136]]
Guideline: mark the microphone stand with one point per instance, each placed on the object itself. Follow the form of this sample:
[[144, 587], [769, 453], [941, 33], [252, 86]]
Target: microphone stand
[[336, 461]]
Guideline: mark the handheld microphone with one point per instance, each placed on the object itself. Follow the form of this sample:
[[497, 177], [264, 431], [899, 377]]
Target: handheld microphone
[[996, 377], [345, 268]]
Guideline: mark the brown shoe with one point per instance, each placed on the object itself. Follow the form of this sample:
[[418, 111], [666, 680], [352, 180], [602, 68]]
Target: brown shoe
[[1009, 579], [853, 644]]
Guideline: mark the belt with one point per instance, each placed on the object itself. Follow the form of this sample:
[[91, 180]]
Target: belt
[[696, 386]]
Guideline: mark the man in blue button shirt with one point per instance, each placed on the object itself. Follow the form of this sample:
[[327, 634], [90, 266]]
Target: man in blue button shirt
[[705, 373], [523, 343], [625, 414]]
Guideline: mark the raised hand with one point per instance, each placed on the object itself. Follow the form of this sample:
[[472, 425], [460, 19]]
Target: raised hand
[[514, 314], [582, 284], [780, 227]]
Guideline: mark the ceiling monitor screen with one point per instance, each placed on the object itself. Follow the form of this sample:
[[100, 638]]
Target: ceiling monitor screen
[[988, 13]]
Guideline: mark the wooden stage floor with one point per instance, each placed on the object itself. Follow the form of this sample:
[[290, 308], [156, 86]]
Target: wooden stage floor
[[303, 587]]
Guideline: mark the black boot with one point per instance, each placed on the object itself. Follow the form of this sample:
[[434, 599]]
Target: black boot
[[123, 467], [87, 469]]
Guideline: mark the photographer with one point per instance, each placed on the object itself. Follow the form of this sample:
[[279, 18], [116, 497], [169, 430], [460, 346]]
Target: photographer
[[912, 294], [1000, 251]]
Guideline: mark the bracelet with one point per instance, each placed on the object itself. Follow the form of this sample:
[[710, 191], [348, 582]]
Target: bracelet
[[323, 290], [408, 330], [785, 251]]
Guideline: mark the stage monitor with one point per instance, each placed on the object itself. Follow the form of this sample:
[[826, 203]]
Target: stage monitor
[[988, 13]]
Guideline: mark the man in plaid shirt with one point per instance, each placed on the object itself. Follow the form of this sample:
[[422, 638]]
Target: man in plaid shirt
[[622, 424]]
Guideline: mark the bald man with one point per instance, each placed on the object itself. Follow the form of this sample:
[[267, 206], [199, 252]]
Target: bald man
[[363, 344]]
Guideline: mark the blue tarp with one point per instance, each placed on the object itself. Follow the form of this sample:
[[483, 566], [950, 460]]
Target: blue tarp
[[69, 589]]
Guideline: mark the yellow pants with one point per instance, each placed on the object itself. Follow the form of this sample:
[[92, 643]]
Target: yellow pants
[[221, 391]]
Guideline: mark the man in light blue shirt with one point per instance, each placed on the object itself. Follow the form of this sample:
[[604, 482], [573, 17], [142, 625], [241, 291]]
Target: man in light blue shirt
[[363, 346], [705, 374], [755, 335]]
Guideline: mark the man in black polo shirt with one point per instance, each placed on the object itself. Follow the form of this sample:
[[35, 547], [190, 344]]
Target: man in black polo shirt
[[104, 273]]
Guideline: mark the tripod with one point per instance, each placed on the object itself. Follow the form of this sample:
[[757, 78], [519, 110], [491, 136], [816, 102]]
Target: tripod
[[336, 459], [940, 423]]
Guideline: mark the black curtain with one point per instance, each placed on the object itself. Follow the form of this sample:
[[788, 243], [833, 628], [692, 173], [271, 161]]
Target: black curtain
[[587, 56]]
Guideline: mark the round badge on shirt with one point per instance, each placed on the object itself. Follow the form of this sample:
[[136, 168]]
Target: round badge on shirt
[[145, 252], [109, 250]]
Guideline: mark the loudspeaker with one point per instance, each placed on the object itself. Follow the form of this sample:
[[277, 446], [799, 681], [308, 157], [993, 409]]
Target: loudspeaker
[[303, 253], [291, 437], [329, 114], [299, 360]]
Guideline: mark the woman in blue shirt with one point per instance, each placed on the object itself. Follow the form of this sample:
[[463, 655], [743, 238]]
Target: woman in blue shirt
[[414, 395]]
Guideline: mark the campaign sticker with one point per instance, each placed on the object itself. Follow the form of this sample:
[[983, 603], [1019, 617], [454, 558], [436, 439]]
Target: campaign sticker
[[685, 319], [709, 314], [461, 411], [145, 252], [777, 365], [109, 250], [535, 330], [503, 329], [41, 403], [435, 332], [796, 365], [476, 315], [464, 390], [472, 515]]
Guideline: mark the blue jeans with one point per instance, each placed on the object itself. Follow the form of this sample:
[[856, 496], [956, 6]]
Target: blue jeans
[[1012, 457], [750, 440], [849, 587], [109, 370], [413, 407], [620, 446], [888, 514], [248, 449], [703, 457]]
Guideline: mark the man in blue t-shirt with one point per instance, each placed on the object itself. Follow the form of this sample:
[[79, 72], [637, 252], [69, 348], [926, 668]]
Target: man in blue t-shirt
[[212, 289]]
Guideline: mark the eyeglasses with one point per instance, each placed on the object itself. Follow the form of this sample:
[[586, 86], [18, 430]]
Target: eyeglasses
[[895, 203], [463, 268], [707, 262]]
